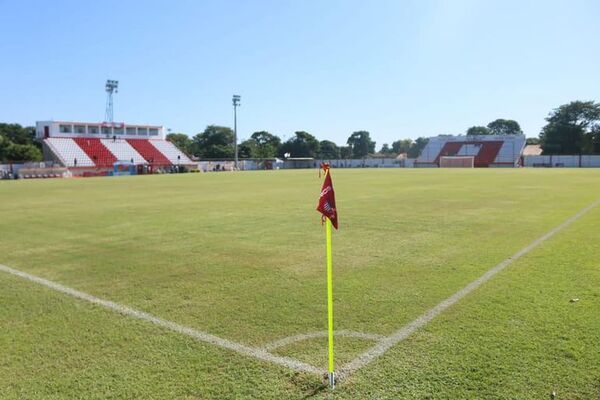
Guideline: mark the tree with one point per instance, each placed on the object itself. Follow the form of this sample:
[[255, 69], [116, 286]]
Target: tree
[[478, 130], [260, 145], [346, 152], [594, 140], [266, 144], [385, 149], [401, 146], [247, 149], [504, 127], [303, 144], [214, 142], [21, 152], [3, 147], [417, 146], [181, 141], [18, 144], [532, 140], [329, 150], [572, 129], [361, 144], [18, 134]]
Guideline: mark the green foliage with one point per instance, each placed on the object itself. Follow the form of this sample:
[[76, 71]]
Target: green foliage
[[18, 144], [18, 134], [214, 142], [504, 127], [478, 130], [417, 146], [329, 150], [247, 149], [402, 146], [345, 152], [572, 129], [266, 144], [3, 144], [361, 144], [21, 153], [260, 145], [386, 149], [532, 140], [497, 127], [303, 144], [182, 141]]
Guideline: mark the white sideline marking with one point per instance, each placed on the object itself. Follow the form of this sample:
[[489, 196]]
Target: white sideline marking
[[404, 332], [261, 354], [312, 335]]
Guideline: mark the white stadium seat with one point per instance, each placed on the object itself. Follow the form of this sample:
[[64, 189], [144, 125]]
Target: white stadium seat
[[169, 150], [68, 151], [123, 150]]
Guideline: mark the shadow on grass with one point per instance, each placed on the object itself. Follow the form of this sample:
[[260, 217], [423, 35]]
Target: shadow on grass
[[309, 385]]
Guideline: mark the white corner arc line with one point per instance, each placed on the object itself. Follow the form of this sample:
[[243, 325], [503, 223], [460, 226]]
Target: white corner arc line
[[404, 332], [258, 353], [319, 334]]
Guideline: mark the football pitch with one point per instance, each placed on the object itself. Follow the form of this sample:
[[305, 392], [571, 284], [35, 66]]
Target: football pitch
[[448, 284]]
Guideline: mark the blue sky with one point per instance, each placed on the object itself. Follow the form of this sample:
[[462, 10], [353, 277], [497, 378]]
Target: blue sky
[[399, 69]]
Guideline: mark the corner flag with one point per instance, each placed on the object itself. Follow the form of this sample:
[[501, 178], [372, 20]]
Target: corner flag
[[327, 198], [328, 212]]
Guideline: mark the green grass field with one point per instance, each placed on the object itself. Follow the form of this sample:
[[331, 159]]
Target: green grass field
[[241, 256]]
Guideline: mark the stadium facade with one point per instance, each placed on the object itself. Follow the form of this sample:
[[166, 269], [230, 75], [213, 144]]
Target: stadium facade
[[101, 146], [484, 151]]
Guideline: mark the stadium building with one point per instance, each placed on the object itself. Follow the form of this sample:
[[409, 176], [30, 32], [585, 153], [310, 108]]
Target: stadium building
[[472, 151], [82, 146]]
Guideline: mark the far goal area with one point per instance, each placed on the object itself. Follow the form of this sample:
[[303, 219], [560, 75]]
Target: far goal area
[[457, 162]]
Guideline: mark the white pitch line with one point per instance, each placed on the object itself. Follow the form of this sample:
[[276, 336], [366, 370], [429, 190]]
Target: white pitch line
[[404, 332], [313, 335], [260, 354]]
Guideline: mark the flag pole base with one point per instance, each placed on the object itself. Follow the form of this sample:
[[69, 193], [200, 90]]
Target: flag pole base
[[332, 380]]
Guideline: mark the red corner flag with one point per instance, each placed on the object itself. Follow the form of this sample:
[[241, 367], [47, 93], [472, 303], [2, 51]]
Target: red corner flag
[[327, 198]]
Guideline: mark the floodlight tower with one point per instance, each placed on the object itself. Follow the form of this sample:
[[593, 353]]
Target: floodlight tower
[[236, 104], [111, 87]]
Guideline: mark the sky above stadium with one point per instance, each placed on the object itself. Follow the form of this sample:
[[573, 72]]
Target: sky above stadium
[[399, 69]]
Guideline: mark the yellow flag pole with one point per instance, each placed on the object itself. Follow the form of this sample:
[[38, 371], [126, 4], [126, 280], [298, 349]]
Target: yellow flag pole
[[330, 303]]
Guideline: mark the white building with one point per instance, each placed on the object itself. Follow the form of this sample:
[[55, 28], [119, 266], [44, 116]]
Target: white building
[[100, 130]]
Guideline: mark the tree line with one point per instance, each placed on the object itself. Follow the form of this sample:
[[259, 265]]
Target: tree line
[[18, 144], [217, 142], [572, 128]]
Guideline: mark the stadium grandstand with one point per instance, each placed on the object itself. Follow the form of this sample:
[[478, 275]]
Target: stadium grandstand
[[472, 151], [101, 146]]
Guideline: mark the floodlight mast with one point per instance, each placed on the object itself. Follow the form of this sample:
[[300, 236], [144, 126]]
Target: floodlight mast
[[236, 103], [111, 87]]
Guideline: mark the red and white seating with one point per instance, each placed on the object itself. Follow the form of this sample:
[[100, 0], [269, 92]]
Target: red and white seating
[[171, 152], [95, 150], [103, 153], [149, 152], [123, 150], [488, 151]]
